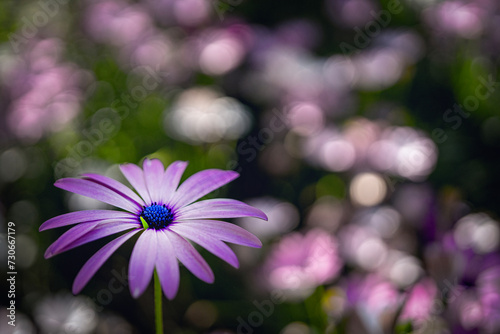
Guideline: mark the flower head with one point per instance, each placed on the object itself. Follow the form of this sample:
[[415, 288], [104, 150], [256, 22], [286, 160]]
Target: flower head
[[165, 216]]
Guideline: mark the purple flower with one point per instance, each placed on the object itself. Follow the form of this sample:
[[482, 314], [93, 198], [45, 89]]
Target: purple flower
[[165, 216], [420, 302]]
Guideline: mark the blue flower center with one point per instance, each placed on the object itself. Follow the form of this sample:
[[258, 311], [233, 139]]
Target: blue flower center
[[157, 216]]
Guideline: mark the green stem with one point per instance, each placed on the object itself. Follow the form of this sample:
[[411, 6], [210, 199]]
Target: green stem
[[158, 311]]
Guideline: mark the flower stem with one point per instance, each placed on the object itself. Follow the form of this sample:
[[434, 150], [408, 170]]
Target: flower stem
[[158, 311]]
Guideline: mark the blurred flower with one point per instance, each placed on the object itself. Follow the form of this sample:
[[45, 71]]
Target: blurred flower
[[305, 118], [419, 302], [164, 214], [202, 115], [375, 299], [362, 246], [401, 268], [156, 51], [330, 150], [282, 218], [404, 151], [362, 143], [117, 22], [407, 43], [488, 286], [130, 29], [299, 263], [378, 69], [45, 93], [64, 313], [219, 51], [286, 74], [383, 64], [460, 18]]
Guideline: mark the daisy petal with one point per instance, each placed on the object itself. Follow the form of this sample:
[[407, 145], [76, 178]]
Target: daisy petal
[[225, 231], [103, 229], [171, 179], [142, 262], [210, 243], [114, 185], [153, 175], [82, 217], [68, 237], [98, 192], [219, 208], [188, 256], [97, 260], [135, 177], [200, 184], [167, 266]]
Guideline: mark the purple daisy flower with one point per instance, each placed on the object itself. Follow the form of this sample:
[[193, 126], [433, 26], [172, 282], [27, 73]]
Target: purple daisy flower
[[165, 216]]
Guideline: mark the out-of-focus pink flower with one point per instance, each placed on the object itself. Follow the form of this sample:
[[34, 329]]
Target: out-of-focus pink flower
[[468, 310], [156, 50], [219, 51], [301, 262], [135, 39], [405, 152], [478, 307], [50, 103], [305, 118], [331, 150], [420, 301], [488, 286], [456, 18], [372, 296], [116, 22], [45, 92], [203, 115]]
